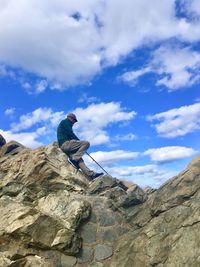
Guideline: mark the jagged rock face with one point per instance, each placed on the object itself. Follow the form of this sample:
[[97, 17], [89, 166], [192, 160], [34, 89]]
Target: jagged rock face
[[166, 227], [2, 141], [53, 216]]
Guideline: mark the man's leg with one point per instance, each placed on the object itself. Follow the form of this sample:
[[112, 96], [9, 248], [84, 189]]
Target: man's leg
[[80, 147], [75, 148], [85, 169]]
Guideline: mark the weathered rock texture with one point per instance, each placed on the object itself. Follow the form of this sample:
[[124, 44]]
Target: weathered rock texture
[[52, 216]]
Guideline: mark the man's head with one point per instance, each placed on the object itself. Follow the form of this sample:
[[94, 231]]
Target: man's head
[[72, 117]]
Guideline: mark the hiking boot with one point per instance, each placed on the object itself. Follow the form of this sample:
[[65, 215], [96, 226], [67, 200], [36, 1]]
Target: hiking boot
[[74, 163], [97, 175]]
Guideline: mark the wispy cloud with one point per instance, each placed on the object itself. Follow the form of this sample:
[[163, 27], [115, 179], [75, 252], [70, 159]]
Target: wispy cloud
[[170, 153], [85, 98], [174, 72], [38, 116], [9, 112], [41, 86], [177, 122], [126, 137], [131, 77], [112, 157]]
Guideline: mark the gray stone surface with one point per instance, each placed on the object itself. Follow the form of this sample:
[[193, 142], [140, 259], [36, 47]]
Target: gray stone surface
[[111, 234], [114, 193], [93, 217], [107, 218], [88, 233], [68, 261], [135, 195], [103, 252], [86, 255], [104, 183], [96, 264], [108, 234]]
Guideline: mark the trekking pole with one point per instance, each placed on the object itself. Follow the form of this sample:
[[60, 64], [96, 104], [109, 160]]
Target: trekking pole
[[97, 163]]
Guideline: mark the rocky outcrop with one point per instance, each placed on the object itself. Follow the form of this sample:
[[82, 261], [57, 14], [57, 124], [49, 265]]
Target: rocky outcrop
[[2, 141], [165, 228], [51, 215]]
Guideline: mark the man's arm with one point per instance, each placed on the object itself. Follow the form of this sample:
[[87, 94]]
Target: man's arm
[[70, 133]]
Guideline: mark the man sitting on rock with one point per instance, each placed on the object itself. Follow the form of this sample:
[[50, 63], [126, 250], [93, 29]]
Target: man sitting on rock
[[72, 146]]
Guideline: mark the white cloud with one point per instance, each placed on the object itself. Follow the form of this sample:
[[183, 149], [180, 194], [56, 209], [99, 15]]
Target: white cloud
[[177, 122], [9, 112], [93, 120], [146, 175], [175, 72], [131, 77], [113, 156], [179, 71], [52, 44], [4, 71], [85, 98], [28, 139], [27, 86], [40, 115], [170, 153], [126, 137], [192, 8], [34, 126], [41, 86], [195, 6], [68, 42]]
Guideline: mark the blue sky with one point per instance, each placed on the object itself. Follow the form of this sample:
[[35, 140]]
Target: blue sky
[[128, 69]]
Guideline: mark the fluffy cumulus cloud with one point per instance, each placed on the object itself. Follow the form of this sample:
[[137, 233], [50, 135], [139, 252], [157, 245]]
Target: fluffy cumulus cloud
[[177, 122], [94, 120], [33, 127], [28, 139], [112, 157], [171, 153], [66, 43], [38, 116], [174, 72], [151, 175]]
